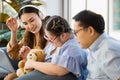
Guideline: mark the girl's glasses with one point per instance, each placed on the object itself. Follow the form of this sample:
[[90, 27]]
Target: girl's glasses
[[46, 37]]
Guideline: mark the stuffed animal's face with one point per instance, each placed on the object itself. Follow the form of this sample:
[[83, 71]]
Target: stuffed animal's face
[[32, 56], [36, 54]]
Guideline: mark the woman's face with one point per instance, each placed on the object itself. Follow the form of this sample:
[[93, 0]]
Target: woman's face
[[55, 40], [31, 22]]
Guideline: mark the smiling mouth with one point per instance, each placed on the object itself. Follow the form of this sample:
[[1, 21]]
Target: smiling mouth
[[33, 29]]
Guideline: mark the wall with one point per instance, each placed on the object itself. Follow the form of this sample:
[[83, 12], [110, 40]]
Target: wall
[[54, 7]]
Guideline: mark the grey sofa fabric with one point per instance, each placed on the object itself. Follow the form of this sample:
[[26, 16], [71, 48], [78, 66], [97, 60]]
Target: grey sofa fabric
[[13, 62]]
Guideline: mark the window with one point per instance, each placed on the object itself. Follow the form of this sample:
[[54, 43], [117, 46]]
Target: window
[[110, 10], [76, 6], [114, 19]]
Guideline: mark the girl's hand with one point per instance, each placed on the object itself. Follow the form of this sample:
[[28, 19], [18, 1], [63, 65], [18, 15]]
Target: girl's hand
[[24, 51], [28, 64]]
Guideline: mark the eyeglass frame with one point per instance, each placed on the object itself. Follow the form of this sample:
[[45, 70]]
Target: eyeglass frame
[[75, 32], [46, 37]]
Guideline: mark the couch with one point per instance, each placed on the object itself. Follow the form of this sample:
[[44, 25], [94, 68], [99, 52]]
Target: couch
[[13, 62]]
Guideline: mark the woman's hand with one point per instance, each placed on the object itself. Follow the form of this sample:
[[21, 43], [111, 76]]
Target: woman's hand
[[12, 24], [24, 51]]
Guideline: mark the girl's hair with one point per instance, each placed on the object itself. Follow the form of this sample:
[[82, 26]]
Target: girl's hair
[[57, 25], [30, 9], [29, 38]]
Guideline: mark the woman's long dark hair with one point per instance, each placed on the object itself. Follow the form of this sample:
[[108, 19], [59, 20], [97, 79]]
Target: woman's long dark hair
[[29, 38]]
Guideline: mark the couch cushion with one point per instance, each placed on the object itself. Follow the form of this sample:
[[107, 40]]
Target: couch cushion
[[13, 62]]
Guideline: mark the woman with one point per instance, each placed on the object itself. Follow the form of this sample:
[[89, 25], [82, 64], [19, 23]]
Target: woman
[[32, 19], [33, 36], [64, 60]]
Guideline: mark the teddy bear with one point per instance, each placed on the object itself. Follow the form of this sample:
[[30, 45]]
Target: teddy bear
[[34, 54]]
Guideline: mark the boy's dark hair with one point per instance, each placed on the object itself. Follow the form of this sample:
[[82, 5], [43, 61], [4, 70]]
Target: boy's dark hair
[[88, 18]]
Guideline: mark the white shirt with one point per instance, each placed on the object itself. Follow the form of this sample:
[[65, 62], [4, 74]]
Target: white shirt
[[104, 59]]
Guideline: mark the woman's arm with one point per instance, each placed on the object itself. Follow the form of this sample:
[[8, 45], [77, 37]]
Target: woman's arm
[[12, 25], [13, 50]]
